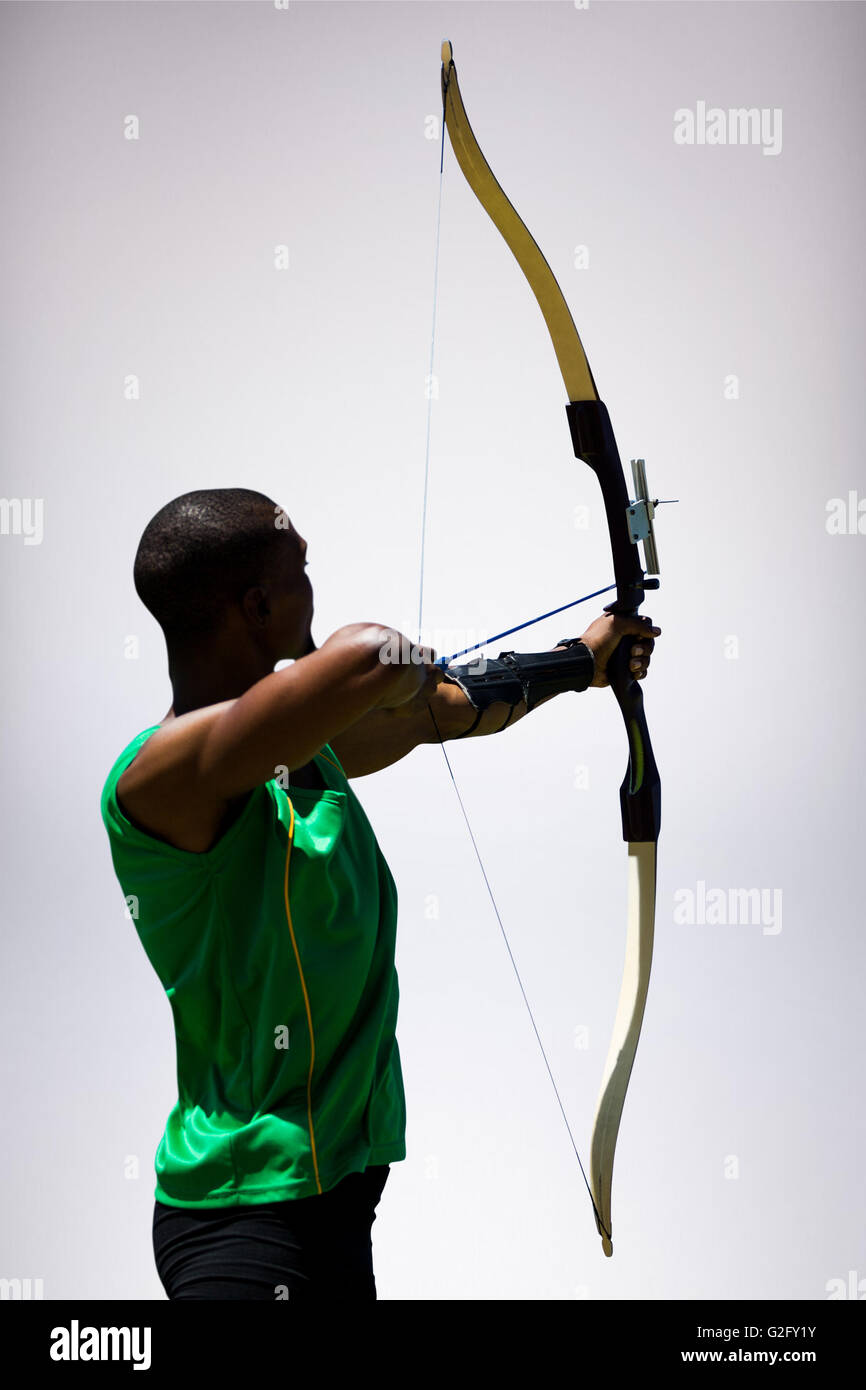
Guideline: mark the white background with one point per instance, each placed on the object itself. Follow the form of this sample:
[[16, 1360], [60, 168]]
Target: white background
[[740, 1162]]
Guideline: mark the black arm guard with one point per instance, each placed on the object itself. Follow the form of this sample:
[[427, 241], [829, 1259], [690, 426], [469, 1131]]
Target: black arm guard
[[515, 676]]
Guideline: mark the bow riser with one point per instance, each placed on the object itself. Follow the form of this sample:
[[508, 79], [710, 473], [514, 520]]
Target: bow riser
[[594, 442]]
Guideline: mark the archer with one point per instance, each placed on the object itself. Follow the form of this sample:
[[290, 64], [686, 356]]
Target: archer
[[264, 902]]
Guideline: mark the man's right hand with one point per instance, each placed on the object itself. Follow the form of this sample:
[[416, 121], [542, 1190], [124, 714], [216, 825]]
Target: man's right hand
[[420, 675]]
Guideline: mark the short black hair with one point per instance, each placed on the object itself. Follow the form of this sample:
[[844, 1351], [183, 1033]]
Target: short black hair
[[201, 553]]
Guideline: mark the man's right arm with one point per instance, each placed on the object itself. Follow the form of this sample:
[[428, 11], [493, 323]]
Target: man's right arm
[[190, 777]]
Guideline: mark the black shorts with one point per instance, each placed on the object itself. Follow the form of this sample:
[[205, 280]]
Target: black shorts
[[307, 1247]]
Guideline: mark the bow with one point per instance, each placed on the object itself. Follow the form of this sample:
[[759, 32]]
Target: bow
[[629, 522]]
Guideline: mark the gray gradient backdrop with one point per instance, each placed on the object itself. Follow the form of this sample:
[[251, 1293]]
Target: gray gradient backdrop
[[722, 310]]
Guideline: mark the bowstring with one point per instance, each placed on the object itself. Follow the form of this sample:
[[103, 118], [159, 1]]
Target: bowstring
[[460, 801]]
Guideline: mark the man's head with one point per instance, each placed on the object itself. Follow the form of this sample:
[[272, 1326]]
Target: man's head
[[225, 565]]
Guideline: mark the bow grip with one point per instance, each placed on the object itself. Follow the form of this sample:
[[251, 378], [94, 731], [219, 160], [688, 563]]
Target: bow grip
[[640, 796]]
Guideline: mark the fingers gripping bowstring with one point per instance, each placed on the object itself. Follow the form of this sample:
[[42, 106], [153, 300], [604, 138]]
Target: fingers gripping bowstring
[[431, 392]]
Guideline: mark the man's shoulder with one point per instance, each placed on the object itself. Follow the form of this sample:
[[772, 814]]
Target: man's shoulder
[[120, 764]]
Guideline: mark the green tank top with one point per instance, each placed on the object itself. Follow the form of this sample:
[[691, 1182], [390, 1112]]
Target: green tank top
[[276, 951]]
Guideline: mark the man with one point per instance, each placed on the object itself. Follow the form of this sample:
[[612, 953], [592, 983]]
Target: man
[[264, 902]]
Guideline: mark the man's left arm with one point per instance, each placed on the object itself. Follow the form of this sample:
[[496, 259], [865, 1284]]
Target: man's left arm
[[384, 736], [446, 711]]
